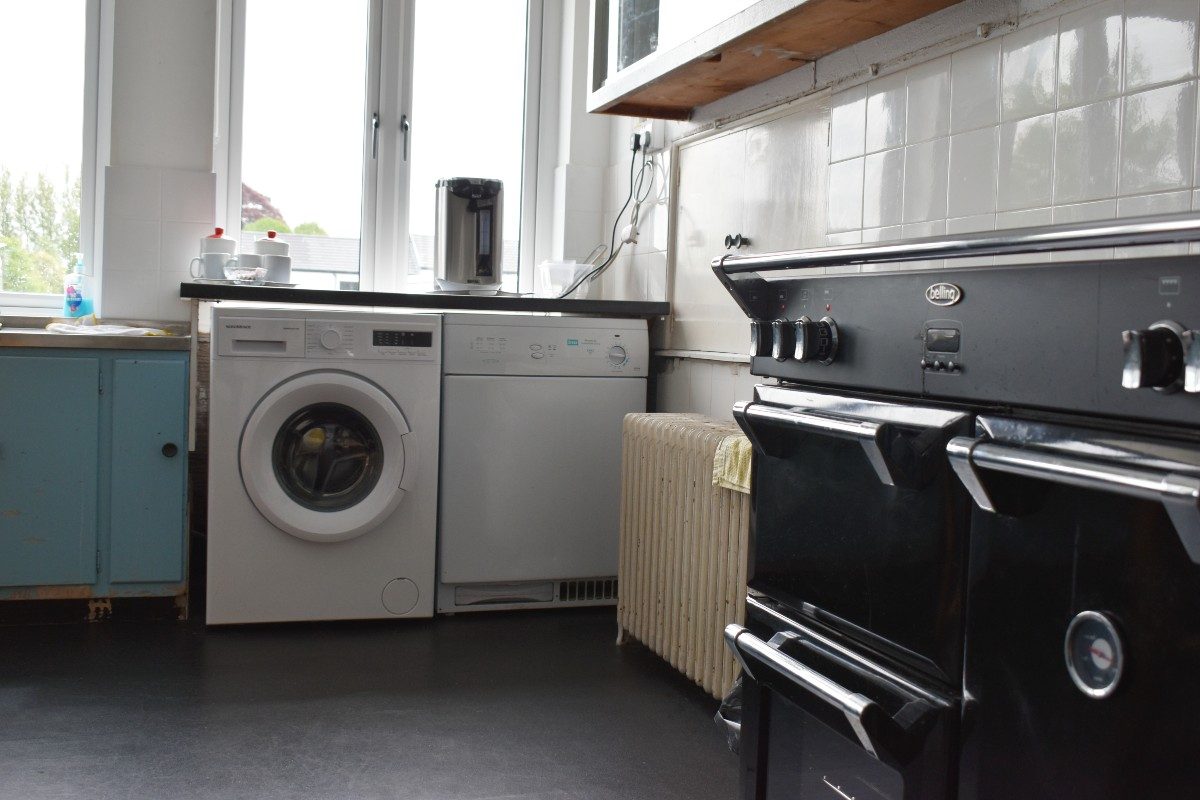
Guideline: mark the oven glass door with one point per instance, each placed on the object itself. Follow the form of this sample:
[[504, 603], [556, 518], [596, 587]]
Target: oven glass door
[[1083, 625], [859, 522]]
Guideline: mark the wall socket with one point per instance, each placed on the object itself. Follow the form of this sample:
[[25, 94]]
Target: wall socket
[[651, 134]]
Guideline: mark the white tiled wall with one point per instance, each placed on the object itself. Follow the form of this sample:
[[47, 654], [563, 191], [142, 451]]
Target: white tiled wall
[[153, 221], [703, 387], [1080, 116]]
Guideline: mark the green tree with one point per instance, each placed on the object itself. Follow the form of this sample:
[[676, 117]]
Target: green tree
[[310, 229], [39, 232], [267, 224]]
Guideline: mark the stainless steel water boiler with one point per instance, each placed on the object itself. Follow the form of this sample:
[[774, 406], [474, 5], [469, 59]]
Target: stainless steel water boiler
[[469, 225]]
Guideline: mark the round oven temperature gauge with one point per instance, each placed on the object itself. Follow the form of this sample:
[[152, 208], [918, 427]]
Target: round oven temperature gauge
[[1095, 658]]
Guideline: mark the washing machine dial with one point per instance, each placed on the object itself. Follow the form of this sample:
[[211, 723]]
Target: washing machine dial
[[331, 339], [617, 355]]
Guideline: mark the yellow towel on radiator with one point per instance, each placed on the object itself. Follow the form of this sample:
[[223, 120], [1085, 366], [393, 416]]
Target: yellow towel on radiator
[[731, 464]]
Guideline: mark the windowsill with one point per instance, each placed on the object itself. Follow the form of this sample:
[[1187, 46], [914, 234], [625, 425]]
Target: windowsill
[[27, 311]]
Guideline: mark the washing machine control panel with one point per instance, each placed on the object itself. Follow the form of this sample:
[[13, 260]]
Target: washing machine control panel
[[414, 341]]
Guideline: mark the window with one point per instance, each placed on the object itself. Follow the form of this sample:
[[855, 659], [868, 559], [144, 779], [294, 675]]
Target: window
[[342, 118], [47, 146]]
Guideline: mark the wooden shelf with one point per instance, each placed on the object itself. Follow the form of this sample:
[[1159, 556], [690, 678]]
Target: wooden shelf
[[768, 39]]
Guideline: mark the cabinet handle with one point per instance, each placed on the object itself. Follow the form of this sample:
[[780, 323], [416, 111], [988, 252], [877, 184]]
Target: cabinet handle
[[170, 449], [736, 241]]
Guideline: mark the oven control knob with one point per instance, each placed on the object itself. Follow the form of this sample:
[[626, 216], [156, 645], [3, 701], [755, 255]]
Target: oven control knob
[[822, 342], [331, 339], [1191, 361], [783, 339], [1154, 357], [760, 338]]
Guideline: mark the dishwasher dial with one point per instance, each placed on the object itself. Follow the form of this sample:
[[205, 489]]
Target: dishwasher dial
[[617, 355]]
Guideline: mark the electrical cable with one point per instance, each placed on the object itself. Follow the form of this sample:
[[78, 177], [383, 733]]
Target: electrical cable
[[635, 188]]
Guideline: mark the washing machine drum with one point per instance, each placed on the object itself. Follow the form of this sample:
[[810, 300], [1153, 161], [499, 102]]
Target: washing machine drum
[[327, 456]]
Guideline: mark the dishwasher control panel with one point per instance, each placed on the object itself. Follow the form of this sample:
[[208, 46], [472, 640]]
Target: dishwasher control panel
[[546, 346]]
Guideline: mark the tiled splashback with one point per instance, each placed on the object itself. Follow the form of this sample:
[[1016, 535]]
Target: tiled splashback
[[1087, 115], [153, 221]]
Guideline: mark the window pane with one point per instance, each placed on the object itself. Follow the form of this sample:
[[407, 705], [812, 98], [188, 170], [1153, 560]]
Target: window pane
[[303, 112], [41, 141], [468, 117]]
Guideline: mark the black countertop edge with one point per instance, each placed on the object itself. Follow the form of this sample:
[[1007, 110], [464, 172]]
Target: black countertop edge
[[443, 302]]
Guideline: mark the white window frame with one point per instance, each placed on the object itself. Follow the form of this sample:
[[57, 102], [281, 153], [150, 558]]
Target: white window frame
[[383, 252], [96, 134]]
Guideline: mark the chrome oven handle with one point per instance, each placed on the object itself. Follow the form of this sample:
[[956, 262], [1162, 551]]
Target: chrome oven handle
[[747, 647], [868, 434], [1179, 494]]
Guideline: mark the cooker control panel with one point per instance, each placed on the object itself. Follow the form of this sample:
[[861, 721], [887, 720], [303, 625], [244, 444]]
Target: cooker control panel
[[801, 340]]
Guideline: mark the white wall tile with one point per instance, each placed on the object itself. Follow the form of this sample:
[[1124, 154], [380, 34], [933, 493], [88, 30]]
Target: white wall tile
[[131, 244], [1026, 163], [132, 192], [926, 168], [886, 100], [1086, 152], [848, 123], [845, 195], [973, 172], [129, 294], [189, 196], [1160, 41], [1089, 54], [170, 306], [921, 230], [1084, 212], [975, 87], [888, 234], [1164, 203], [972, 224], [180, 244], [883, 188], [1027, 72], [1029, 218], [1157, 139], [928, 100], [838, 239]]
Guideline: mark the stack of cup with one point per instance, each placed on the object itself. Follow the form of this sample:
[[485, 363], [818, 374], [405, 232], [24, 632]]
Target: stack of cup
[[272, 253], [216, 251]]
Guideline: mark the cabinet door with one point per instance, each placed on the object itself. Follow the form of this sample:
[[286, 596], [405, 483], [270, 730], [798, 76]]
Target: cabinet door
[[710, 196], [785, 182], [149, 471], [49, 417]]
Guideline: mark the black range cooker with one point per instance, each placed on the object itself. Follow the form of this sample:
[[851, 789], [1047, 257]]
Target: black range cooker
[[975, 567]]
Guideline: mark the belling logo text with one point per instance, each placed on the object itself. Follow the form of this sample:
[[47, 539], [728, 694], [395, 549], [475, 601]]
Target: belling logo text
[[943, 294]]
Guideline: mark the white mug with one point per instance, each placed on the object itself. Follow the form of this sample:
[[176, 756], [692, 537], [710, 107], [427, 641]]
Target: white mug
[[209, 265], [279, 268], [247, 260]]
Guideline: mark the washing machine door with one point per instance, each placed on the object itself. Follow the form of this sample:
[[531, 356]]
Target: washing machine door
[[326, 456]]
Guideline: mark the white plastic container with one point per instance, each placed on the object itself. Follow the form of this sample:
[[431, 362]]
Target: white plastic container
[[271, 245], [218, 242], [552, 278]]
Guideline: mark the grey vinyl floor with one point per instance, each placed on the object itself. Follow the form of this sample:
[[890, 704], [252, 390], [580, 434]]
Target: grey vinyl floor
[[516, 706]]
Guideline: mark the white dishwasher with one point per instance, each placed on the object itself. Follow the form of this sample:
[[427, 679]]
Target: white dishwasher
[[532, 407]]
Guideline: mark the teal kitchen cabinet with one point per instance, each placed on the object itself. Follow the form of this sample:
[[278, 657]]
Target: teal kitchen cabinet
[[93, 473]]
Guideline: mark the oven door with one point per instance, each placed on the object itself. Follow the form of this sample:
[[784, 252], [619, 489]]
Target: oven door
[[859, 523], [1083, 622], [821, 721]]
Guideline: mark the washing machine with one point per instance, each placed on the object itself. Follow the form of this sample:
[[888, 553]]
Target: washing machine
[[323, 465], [532, 409]]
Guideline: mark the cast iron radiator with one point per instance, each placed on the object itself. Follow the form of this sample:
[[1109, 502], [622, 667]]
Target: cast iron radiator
[[682, 571]]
